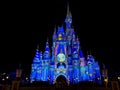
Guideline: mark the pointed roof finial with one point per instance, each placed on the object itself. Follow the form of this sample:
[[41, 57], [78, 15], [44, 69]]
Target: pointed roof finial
[[68, 9], [47, 39], [37, 46]]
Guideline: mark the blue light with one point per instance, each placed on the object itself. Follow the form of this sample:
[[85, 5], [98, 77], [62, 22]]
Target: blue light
[[66, 59]]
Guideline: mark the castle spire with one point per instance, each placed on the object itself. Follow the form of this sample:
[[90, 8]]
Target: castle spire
[[37, 46], [68, 19], [47, 49], [68, 10], [37, 56]]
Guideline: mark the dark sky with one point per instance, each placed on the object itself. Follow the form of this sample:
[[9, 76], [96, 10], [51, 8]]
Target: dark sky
[[25, 24]]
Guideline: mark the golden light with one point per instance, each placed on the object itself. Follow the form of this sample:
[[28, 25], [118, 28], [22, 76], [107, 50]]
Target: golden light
[[7, 77], [60, 35], [119, 78], [59, 38], [106, 80]]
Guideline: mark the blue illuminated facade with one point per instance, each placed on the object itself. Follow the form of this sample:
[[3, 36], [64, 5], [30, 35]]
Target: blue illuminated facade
[[66, 58]]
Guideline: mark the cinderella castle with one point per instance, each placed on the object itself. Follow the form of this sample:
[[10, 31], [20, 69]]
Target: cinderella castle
[[64, 59]]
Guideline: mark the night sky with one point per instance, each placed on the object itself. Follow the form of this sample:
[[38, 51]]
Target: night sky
[[25, 24]]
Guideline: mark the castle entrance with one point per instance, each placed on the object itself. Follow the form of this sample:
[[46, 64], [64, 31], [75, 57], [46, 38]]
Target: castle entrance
[[61, 81]]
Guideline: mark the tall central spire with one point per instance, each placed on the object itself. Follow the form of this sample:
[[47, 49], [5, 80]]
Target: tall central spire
[[68, 10], [68, 19]]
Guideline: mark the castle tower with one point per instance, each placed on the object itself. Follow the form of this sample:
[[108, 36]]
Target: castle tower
[[60, 54]]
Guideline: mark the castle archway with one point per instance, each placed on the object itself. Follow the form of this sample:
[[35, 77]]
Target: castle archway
[[61, 80]]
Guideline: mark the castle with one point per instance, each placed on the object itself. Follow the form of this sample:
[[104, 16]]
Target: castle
[[65, 58]]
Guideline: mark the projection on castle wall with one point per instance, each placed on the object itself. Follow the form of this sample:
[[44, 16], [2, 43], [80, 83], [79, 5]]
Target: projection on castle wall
[[65, 58]]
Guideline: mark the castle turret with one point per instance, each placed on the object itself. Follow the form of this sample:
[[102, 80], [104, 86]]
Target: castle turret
[[46, 63], [39, 68], [46, 55], [36, 62], [37, 55]]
